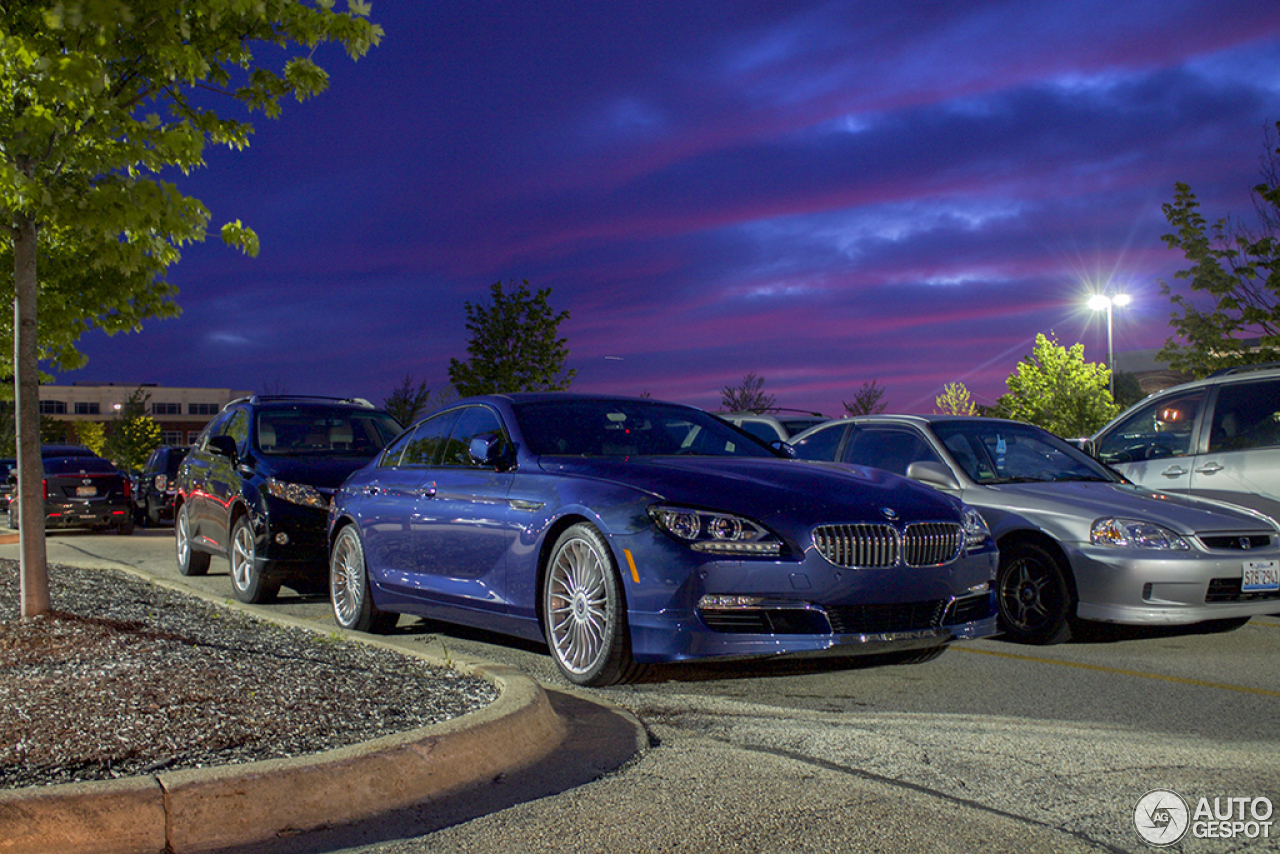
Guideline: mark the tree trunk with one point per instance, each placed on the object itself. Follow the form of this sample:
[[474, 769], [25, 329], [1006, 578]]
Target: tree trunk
[[26, 386]]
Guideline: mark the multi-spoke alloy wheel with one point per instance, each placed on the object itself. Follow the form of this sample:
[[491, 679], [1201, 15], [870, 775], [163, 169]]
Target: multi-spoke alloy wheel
[[248, 573], [190, 561], [584, 614], [349, 593], [1033, 596]]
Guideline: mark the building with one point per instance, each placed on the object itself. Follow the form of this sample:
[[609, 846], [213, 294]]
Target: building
[[180, 412]]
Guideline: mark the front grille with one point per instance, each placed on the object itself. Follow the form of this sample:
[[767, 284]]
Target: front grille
[[777, 621], [1236, 542], [876, 545], [879, 619], [1228, 590]]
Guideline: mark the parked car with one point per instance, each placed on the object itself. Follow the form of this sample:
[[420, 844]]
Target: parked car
[[156, 486], [8, 477], [775, 427], [1076, 540], [1217, 438], [83, 492], [256, 484], [66, 451], [625, 531]]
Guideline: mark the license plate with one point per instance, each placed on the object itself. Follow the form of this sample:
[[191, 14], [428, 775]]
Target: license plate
[[1260, 576], [86, 491]]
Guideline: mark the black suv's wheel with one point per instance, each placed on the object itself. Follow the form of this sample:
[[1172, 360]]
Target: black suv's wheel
[[190, 561], [584, 615], [1033, 596], [248, 572], [349, 594]]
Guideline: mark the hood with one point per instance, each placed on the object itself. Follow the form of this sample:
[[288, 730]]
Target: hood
[[766, 487], [322, 472], [1053, 504]]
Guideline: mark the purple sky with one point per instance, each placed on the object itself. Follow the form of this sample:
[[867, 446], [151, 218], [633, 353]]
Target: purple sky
[[822, 194]]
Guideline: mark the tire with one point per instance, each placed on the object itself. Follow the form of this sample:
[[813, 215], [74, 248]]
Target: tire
[[1035, 602], [249, 583], [349, 592], [584, 613], [190, 561]]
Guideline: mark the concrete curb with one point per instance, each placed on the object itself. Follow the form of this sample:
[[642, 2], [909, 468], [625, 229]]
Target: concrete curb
[[199, 810]]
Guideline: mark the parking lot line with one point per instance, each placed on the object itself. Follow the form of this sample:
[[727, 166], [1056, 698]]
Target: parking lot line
[[1118, 671]]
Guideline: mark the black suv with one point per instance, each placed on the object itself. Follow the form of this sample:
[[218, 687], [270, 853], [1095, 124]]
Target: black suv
[[155, 487], [256, 484]]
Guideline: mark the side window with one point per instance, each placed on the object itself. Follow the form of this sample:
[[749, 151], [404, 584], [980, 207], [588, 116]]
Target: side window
[[1162, 428], [1247, 415], [821, 444], [213, 428], [426, 445], [238, 428], [474, 421], [891, 449]]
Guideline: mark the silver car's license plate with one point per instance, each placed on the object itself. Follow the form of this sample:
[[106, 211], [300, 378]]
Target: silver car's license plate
[[1260, 576]]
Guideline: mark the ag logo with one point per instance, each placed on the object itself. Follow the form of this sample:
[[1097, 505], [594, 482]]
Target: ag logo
[[1161, 817]]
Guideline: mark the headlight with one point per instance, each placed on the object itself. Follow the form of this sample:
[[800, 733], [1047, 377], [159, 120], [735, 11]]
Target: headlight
[[1134, 533], [721, 533], [976, 532], [297, 493]]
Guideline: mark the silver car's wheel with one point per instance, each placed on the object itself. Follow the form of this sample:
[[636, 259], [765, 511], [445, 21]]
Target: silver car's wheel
[[583, 610], [248, 581], [1033, 597], [190, 561], [349, 592]]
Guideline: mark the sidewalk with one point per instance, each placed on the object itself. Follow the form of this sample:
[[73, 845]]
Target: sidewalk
[[528, 743]]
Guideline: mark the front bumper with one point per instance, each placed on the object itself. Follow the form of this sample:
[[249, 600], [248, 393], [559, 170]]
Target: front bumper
[[684, 604], [1165, 588]]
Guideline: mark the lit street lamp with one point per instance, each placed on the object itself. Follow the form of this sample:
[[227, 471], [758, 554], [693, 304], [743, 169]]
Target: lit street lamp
[[1098, 302]]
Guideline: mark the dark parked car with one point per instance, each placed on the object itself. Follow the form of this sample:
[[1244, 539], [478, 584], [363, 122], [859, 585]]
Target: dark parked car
[[256, 484], [1076, 540], [8, 474], [83, 492], [623, 531], [157, 484]]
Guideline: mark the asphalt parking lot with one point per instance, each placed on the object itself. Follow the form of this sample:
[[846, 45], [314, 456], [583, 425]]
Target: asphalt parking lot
[[991, 747]]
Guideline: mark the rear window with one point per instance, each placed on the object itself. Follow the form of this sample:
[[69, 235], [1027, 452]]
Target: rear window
[[75, 465]]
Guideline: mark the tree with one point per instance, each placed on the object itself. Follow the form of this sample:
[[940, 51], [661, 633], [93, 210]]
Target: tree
[[1056, 389], [749, 396], [98, 98], [405, 402], [1128, 389], [513, 345], [1238, 269], [93, 435], [955, 400], [134, 434], [866, 400]]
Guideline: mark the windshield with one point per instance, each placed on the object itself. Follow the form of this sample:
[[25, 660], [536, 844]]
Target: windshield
[[613, 428], [321, 430], [1006, 452]]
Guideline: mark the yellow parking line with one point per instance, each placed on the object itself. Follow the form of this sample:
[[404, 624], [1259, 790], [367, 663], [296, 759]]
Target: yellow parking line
[[1262, 692]]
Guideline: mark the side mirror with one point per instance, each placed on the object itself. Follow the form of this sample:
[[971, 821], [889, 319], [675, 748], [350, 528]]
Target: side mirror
[[933, 474], [783, 449], [223, 446], [488, 450]]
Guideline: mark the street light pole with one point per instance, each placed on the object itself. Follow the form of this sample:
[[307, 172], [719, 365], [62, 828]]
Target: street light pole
[[1098, 302]]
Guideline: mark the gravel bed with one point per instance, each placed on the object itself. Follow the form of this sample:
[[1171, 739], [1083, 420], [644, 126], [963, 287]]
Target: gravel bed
[[124, 678]]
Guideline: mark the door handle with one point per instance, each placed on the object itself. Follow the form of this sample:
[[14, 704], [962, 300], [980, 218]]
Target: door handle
[[428, 491], [1209, 468], [372, 489], [1174, 471]]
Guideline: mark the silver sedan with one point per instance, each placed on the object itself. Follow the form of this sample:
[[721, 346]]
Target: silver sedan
[[1077, 541]]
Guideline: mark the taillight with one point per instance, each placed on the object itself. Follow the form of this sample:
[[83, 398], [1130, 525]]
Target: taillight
[[44, 485], [128, 488]]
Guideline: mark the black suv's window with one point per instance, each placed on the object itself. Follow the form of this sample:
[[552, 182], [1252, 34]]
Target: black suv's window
[[321, 430], [1247, 415], [237, 427], [1161, 428]]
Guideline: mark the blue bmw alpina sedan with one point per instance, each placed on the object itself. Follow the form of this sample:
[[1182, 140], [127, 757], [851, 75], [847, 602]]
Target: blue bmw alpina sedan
[[624, 531]]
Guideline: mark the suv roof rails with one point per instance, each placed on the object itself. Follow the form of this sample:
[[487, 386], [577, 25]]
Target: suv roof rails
[[268, 398], [1242, 369]]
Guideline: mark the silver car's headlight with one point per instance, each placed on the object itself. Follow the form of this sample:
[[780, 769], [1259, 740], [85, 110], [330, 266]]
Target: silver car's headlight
[[976, 532], [1135, 534], [297, 493], [720, 533]]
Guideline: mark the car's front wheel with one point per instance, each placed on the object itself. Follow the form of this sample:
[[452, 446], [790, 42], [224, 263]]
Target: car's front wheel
[[249, 583], [190, 561], [349, 592], [1033, 595], [584, 613]]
